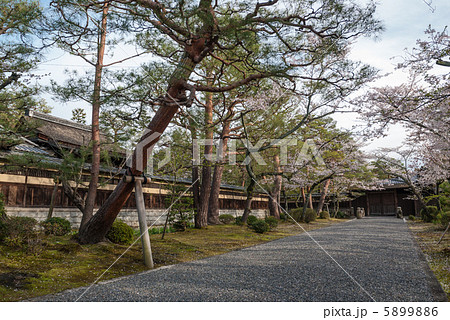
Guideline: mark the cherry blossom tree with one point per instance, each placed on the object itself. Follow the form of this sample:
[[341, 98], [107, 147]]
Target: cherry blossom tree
[[421, 105]]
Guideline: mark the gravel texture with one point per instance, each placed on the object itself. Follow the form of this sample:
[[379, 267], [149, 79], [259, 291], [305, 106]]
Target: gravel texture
[[379, 256]]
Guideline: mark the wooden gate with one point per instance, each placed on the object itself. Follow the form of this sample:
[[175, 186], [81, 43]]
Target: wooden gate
[[382, 203]]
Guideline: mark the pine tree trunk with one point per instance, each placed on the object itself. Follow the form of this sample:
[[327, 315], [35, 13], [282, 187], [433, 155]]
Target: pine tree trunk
[[201, 218], [323, 195], [194, 170], [52, 200], [274, 202], [248, 201], [214, 203], [213, 210], [96, 228], [95, 139]]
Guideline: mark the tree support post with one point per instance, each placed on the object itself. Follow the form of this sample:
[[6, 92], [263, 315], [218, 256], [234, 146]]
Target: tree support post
[[140, 205]]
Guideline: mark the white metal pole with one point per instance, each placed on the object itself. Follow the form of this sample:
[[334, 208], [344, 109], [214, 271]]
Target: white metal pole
[[145, 238]]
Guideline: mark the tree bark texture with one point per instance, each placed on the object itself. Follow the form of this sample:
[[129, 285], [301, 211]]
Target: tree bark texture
[[95, 139], [248, 201], [323, 195], [214, 204], [274, 208], [96, 228], [201, 218]]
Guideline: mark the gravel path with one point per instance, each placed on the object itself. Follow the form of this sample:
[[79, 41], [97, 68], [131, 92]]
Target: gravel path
[[379, 253]]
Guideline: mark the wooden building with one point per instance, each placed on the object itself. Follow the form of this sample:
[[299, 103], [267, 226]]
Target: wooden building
[[26, 187], [384, 202]]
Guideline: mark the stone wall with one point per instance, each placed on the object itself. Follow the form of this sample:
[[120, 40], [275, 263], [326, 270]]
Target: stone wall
[[155, 217]]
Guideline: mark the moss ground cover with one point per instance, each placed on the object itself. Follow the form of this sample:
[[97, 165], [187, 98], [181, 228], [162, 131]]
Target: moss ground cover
[[60, 263]]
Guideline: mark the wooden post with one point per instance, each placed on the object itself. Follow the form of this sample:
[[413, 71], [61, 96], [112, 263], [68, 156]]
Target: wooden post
[[145, 238]]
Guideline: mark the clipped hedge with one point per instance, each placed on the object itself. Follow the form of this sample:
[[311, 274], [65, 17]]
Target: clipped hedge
[[310, 215], [296, 214], [259, 226], [272, 222], [251, 219], [324, 215], [120, 233], [56, 226], [226, 218]]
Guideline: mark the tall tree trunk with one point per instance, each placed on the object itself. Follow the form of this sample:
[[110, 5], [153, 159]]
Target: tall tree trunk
[[195, 176], [303, 196], [213, 210], [310, 201], [95, 139], [323, 195], [274, 209], [95, 229], [52, 199], [201, 218], [249, 200], [286, 203]]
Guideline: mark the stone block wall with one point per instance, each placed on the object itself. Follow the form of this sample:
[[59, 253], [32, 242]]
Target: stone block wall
[[155, 217]]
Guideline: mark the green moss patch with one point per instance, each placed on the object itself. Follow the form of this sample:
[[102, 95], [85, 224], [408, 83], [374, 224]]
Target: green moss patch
[[438, 255], [62, 263]]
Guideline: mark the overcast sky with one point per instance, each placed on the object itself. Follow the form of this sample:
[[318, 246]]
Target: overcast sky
[[405, 21]]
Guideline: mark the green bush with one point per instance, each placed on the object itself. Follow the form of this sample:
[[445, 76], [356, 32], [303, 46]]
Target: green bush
[[226, 218], [156, 230], [238, 221], [182, 224], [324, 215], [283, 216], [259, 226], [56, 226], [296, 214], [272, 222], [341, 215], [443, 218], [310, 215], [3, 231], [251, 219], [429, 213], [120, 233], [411, 217], [18, 231]]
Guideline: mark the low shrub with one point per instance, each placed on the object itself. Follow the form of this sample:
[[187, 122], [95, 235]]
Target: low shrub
[[21, 232], [56, 226], [324, 215], [251, 219], [341, 215], [157, 230], [443, 218], [238, 221], [272, 222], [259, 226], [296, 214], [310, 215], [411, 217], [3, 231], [120, 233], [181, 225], [429, 213], [283, 216], [226, 218]]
